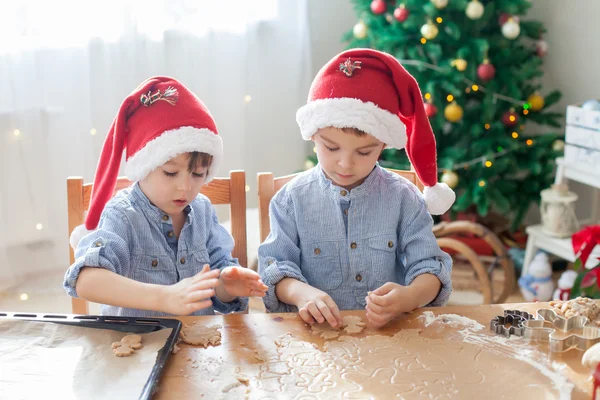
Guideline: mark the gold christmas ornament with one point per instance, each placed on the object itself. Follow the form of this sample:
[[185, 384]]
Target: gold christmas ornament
[[439, 4], [536, 102], [453, 112], [558, 145], [511, 29], [360, 30], [429, 30], [450, 178], [460, 64], [474, 10]]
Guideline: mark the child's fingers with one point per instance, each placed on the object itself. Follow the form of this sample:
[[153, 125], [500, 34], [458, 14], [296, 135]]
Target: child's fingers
[[381, 301], [326, 312], [305, 315], [203, 275], [192, 307], [204, 284], [247, 273], [335, 311], [199, 295], [376, 318], [257, 293], [259, 286], [314, 311], [374, 307]]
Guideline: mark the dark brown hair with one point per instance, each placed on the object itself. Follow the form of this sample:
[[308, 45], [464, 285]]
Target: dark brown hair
[[197, 159]]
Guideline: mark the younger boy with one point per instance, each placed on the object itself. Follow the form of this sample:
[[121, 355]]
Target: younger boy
[[348, 234], [147, 251]]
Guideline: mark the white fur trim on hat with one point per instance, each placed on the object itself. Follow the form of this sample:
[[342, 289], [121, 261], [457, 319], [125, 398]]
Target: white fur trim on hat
[[171, 144], [439, 198], [351, 113], [78, 233]]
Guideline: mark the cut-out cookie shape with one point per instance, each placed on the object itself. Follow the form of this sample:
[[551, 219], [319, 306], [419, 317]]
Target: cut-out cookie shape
[[558, 331], [350, 324], [127, 345], [200, 335]]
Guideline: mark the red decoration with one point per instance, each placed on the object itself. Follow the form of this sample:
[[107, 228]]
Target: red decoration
[[378, 7], [596, 376], [486, 71], [401, 13], [584, 242], [504, 17], [430, 109], [510, 118], [541, 48]]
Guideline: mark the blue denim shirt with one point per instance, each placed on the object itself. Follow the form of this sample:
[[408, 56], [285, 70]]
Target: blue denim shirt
[[135, 239], [348, 243]]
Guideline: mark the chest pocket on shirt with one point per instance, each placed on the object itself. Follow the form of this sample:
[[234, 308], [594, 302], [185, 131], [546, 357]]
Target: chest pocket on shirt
[[154, 269], [321, 265], [382, 252]]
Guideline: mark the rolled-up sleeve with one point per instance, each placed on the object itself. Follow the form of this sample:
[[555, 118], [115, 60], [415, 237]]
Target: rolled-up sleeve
[[422, 253], [279, 255], [106, 247]]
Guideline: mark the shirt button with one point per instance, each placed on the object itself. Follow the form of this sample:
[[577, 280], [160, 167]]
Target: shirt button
[[154, 263], [353, 245], [343, 192], [317, 251], [182, 260], [346, 212], [358, 277], [390, 244], [165, 217], [170, 234], [98, 244], [269, 262]]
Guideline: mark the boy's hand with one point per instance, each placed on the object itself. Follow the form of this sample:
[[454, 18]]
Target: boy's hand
[[387, 302], [190, 294], [242, 282], [316, 305]]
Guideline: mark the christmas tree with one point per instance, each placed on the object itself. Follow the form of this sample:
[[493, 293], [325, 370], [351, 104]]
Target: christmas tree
[[476, 63]]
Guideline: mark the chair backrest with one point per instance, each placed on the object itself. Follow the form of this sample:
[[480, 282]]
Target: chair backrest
[[268, 185], [230, 191]]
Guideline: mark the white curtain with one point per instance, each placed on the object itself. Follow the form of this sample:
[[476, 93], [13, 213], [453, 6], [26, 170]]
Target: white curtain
[[65, 66]]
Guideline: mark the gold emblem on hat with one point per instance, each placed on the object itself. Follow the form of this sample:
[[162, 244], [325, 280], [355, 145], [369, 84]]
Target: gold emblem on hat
[[171, 95], [348, 66]]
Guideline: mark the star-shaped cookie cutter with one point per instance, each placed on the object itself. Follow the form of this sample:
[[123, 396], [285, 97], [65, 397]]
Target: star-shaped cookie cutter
[[514, 319], [544, 328]]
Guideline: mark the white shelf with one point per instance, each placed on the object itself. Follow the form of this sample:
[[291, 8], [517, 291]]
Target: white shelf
[[538, 240], [559, 247]]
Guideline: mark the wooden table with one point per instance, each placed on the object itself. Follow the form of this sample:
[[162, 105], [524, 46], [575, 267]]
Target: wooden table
[[248, 340]]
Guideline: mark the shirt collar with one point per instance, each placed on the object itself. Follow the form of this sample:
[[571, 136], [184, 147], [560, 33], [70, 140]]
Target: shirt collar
[[152, 212], [339, 193]]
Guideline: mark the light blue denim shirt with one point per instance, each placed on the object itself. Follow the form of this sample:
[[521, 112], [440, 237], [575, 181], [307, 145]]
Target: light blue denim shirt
[[135, 239], [348, 243]]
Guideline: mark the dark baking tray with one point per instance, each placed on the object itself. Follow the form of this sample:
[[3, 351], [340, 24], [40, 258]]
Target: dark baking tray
[[121, 324]]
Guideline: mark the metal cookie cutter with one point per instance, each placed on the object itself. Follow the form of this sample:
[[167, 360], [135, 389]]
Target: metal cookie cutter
[[552, 328], [514, 318]]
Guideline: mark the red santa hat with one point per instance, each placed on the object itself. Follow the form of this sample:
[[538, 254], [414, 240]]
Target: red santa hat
[[158, 121], [370, 90]]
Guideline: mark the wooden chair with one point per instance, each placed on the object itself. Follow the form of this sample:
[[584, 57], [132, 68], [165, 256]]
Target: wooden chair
[[268, 185], [230, 191]]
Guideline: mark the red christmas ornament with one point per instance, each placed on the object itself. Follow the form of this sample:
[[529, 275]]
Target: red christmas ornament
[[541, 48], [486, 71], [430, 109], [510, 118], [504, 17], [378, 6], [401, 13]]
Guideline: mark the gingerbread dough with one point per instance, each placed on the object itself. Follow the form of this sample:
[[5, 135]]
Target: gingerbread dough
[[200, 335], [350, 324], [127, 345]]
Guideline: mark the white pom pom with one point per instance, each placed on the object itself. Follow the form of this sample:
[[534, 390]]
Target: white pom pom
[[439, 198], [78, 233]]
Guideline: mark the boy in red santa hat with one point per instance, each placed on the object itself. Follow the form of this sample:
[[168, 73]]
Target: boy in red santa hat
[[157, 248], [348, 234]]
